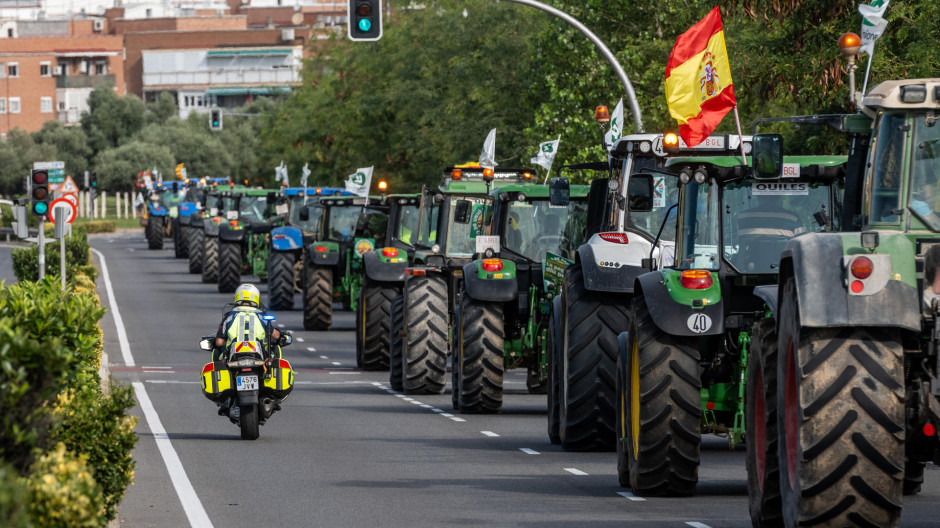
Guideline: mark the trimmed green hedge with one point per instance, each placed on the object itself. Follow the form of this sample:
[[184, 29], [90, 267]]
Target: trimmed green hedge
[[77, 260]]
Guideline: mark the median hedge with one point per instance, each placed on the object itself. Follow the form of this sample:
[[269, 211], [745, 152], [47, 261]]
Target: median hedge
[[65, 445]]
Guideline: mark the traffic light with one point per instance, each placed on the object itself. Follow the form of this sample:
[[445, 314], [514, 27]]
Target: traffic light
[[39, 192], [215, 119], [93, 180], [365, 19]]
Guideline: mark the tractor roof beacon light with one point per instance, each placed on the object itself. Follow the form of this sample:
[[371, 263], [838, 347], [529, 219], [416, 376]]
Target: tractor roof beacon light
[[849, 45], [602, 114], [365, 20], [383, 185], [39, 192], [670, 142]]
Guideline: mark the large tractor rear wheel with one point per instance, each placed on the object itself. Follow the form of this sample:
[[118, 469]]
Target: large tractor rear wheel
[[230, 266], [180, 247], [196, 240], [281, 280], [592, 322], [425, 348], [760, 425], [373, 316], [480, 357], [555, 360], [318, 297], [395, 342], [660, 408], [155, 232], [210, 258], [840, 420]]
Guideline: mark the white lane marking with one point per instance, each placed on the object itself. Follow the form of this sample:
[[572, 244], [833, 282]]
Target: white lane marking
[[184, 489], [528, 451], [697, 524], [426, 406], [324, 357], [115, 312], [337, 363], [456, 419], [157, 368], [574, 471], [446, 414], [407, 398], [147, 371], [311, 349], [630, 496], [416, 402], [300, 340], [280, 325], [489, 433], [437, 410]]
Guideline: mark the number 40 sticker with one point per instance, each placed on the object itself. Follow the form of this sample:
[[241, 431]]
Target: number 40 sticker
[[699, 323]]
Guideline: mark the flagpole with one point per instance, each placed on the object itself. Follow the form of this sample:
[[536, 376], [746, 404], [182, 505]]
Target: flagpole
[[867, 69], [737, 121]]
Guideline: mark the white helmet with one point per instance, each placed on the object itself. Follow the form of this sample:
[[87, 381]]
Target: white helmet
[[247, 294]]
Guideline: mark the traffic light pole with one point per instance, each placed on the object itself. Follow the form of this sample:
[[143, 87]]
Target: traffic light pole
[[602, 48], [42, 247]]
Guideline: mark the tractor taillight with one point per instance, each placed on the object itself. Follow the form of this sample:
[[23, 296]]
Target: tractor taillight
[[233, 223], [929, 429], [279, 237], [389, 252], [321, 249], [616, 238], [492, 265], [861, 268], [695, 279]]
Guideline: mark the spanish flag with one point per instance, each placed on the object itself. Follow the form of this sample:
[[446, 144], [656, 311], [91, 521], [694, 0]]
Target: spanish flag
[[698, 79]]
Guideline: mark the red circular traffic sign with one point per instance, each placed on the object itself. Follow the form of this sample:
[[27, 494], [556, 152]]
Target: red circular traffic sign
[[65, 204]]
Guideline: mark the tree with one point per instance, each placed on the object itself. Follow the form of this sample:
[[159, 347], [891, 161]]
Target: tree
[[118, 167], [162, 109], [70, 144], [17, 154], [191, 143], [111, 119]]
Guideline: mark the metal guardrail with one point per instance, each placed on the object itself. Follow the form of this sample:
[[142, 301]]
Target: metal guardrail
[[7, 234]]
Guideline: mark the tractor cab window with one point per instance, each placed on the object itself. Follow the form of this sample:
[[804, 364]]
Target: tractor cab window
[[343, 221], [665, 195], [461, 237], [408, 224], [429, 217], [699, 225], [885, 192], [534, 228], [760, 217], [313, 213], [171, 198], [372, 224], [252, 208], [925, 172]]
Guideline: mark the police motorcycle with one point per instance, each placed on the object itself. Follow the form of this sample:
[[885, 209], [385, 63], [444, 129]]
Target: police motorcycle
[[248, 384]]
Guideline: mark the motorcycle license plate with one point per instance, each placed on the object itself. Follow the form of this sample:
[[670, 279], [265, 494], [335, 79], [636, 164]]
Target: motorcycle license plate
[[246, 383]]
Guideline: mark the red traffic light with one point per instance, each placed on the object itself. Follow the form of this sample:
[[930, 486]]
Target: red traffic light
[[40, 177], [364, 9]]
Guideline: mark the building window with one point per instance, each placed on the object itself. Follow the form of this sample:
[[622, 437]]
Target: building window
[[13, 69], [3, 105], [3, 70], [14, 105], [45, 69], [62, 106], [101, 68], [149, 13], [45, 105]]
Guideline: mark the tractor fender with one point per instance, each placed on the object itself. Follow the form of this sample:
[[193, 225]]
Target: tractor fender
[[607, 276], [211, 228], [377, 270], [815, 262], [675, 318], [768, 294], [488, 289], [323, 258], [187, 208], [157, 211], [195, 220], [286, 238], [229, 234]]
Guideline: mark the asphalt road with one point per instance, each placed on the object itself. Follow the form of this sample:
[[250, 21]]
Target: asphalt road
[[348, 451]]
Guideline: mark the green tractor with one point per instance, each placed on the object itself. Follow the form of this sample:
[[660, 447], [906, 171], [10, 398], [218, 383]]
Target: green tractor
[[245, 240], [851, 384], [204, 233], [451, 218], [349, 227], [683, 361], [505, 298], [382, 276]]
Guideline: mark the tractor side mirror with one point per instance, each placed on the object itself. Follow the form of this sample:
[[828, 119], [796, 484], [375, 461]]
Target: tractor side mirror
[[462, 211], [640, 193], [768, 156], [559, 191]]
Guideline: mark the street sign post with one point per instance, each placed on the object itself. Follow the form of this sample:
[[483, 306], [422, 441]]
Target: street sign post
[[68, 209], [56, 170]]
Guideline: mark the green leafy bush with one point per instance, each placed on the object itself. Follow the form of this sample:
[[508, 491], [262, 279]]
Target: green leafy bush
[[99, 226], [26, 260], [63, 492], [95, 426], [13, 513]]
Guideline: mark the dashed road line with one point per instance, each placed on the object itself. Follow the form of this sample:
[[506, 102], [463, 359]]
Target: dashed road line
[[324, 357], [694, 524], [528, 451], [300, 340], [157, 368], [489, 433], [311, 349], [628, 495], [575, 471], [337, 363]]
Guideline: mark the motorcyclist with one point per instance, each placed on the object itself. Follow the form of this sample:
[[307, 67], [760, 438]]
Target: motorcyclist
[[244, 323]]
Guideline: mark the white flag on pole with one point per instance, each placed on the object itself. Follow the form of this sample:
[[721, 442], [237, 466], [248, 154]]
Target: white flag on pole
[[280, 174], [873, 23], [546, 154], [616, 125], [305, 174], [360, 182], [488, 156]]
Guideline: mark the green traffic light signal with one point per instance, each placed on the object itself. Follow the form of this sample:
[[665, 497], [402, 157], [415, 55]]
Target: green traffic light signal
[[365, 25], [40, 208], [365, 20]]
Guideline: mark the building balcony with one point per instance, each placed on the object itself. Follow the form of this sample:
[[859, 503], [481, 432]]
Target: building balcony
[[83, 81]]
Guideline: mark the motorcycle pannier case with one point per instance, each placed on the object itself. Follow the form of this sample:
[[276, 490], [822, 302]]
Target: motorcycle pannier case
[[216, 379], [281, 380]]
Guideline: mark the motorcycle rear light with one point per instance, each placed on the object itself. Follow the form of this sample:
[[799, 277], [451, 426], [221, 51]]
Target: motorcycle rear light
[[861, 267], [320, 249], [492, 265], [695, 279], [857, 286], [616, 238], [389, 252], [929, 429]]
